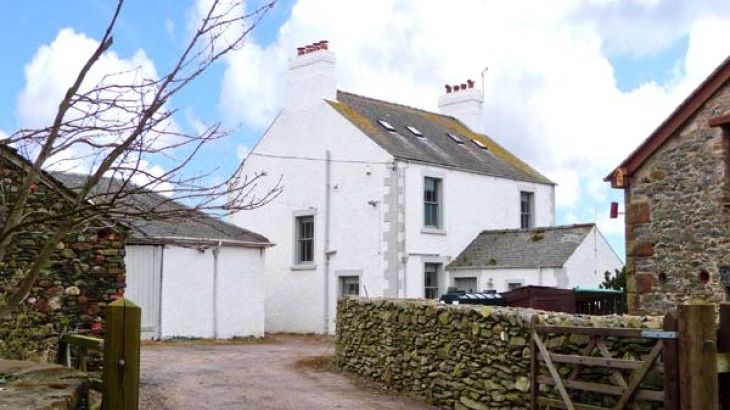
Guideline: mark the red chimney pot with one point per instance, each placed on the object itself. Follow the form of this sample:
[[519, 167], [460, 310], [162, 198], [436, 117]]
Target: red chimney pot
[[463, 86], [470, 82], [448, 88], [300, 51]]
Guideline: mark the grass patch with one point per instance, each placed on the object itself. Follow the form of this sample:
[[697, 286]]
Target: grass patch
[[317, 364]]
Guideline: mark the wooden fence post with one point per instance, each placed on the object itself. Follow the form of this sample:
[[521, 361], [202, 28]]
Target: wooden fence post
[[723, 345], [671, 365], [121, 355], [697, 357]]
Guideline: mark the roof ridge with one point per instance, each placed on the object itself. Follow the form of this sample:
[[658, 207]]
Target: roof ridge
[[540, 228], [377, 100]]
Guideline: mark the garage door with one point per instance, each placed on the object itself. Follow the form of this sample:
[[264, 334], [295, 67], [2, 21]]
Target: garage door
[[144, 273]]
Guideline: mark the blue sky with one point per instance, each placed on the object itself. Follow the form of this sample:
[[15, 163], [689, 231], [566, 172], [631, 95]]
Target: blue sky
[[571, 89]]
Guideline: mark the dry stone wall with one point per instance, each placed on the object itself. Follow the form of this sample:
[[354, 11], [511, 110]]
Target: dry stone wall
[[85, 272], [462, 357]]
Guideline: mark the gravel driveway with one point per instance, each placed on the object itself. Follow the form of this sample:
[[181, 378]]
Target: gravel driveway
[[261, 375]]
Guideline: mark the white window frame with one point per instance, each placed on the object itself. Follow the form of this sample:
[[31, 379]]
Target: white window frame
[[519, 282], [439, 274], [440, 218], [297, 264], [531, 210]]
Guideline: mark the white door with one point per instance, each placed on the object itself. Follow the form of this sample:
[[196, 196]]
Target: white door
[[144, 274]]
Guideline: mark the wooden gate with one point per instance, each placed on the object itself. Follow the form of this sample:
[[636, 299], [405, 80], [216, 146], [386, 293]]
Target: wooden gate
[[596, 354]]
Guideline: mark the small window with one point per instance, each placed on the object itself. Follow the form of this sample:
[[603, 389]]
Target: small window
[[432, 199], [468, 285], [414, 131], [305, 239], [479, 144], [527, 210], [386, 125], [431, 280], [455, 138], [350, 286], [512, 285]]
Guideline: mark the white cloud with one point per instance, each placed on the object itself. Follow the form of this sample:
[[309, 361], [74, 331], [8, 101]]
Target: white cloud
[[53, 70], [242, 151], [551, 91]]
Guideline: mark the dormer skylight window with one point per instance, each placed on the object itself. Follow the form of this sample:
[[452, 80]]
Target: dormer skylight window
[[479, 144], [386, 125], [455, 138], [414, 131]]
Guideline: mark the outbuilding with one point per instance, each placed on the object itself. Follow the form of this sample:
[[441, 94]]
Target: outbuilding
[[197, 277], [559, 256]]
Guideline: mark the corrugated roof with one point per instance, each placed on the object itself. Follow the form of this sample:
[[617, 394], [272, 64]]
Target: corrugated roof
[[522, 248], [434, 146], [200, 227]]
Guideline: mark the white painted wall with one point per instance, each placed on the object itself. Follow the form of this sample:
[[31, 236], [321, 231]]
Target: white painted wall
[[472, 203], [501, 277], [187, 292], [294, 295], [591, 259]]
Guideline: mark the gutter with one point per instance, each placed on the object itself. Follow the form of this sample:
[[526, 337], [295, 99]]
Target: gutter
[[164, 240], [327, 252]]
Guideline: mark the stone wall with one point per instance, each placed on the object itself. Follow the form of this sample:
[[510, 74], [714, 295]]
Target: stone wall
[[463, 357], [86, 272], [676, 219]]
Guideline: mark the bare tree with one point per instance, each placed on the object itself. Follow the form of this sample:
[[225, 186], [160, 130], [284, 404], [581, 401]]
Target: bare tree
[[116, 126]]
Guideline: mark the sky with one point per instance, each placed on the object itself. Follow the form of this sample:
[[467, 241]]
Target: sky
[[572, 86]]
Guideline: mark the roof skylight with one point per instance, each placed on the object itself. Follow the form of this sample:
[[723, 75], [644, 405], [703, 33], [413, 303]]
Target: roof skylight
[[414, 131], [386, 125], [455, 138], [479, 144]]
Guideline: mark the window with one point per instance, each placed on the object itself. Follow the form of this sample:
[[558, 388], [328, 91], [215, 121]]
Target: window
[[468, 285], [479, 144], [349, 286], [432, 199], [414, 131], [305, 239], [386, 125], [431, 280], [512, 285], [526, 210], [455, 138]]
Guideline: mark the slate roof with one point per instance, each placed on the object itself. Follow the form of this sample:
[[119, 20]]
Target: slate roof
[[522, 248], [202, 228], [435, 147]]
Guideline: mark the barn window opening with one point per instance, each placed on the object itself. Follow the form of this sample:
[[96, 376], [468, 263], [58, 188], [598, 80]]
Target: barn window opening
[[527, 219], [350, 286], [704, 276]]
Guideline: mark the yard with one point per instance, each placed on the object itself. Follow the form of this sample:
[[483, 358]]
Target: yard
[[280, 372]]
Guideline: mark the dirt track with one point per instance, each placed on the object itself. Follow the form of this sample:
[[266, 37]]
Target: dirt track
[[253, 376]]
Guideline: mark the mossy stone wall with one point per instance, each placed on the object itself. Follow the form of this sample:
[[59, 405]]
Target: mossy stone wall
[[85, 272], [463, 357]]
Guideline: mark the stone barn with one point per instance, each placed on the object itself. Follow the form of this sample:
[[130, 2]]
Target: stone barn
[[677, 200], [85, 272]]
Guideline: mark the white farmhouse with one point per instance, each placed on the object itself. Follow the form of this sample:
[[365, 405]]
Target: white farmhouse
[[378, 197], [560, 256], [192, 277]]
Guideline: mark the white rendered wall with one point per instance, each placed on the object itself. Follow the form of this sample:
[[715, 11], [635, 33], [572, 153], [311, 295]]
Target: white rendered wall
[[295, 296], [500, 277], [187, 292], [471, 203], [241, 290], [593, 257]]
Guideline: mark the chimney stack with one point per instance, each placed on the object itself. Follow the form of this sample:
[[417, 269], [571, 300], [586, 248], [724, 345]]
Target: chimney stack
[[311, 77], [464, 102]]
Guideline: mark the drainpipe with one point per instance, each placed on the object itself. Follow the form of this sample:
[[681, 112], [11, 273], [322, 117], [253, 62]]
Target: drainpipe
[[216, 251], [327, 253]]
